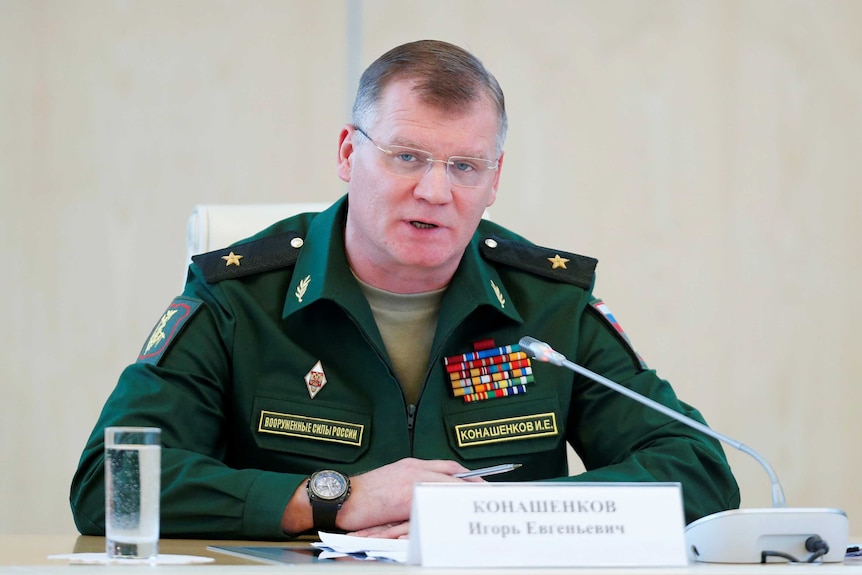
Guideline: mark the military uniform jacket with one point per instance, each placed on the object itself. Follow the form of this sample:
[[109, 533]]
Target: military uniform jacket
[[270, 366]]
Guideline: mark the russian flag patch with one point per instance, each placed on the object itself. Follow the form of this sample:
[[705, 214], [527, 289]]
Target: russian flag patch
[[605, 312]]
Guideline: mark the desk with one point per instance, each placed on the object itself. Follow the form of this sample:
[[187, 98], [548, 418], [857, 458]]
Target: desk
[[28, 554]]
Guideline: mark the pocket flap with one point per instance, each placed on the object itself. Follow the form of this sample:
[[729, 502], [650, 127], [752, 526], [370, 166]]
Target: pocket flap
[[505, 428], [318, 431]]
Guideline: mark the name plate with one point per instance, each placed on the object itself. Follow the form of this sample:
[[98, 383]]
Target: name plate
[[547, 525]]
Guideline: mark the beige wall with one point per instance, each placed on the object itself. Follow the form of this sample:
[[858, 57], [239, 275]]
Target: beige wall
[[706, 152]]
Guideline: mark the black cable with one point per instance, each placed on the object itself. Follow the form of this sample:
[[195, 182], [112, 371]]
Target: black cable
[[817, 546], [788, 556]]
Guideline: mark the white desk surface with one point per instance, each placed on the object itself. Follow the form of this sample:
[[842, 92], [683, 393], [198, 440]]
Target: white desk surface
[[28, 554]]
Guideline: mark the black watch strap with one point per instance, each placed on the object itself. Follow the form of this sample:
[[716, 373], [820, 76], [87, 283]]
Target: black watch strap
[[324, 513]]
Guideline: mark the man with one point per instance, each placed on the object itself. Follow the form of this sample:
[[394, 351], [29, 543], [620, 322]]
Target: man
[[341, 342]]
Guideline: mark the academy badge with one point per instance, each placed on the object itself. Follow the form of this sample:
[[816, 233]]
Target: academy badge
[[489, 372], [315, 379]]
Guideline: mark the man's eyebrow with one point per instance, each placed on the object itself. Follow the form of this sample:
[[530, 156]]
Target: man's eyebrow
[[404, 142]]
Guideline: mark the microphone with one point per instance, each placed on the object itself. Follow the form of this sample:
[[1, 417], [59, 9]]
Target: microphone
[[737, 535]]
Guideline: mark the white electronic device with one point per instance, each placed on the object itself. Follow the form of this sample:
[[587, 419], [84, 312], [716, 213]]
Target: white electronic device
[[767, 535], [762, 535]]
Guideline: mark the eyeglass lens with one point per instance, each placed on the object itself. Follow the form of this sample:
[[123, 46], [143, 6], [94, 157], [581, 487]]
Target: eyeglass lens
[[462, 171], [412, 163]]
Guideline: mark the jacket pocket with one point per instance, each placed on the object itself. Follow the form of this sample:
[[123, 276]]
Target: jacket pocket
[[505, 428], [316, 431]]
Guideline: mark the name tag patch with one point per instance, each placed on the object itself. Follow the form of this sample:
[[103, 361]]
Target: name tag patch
[[311, 428], [508, 429]]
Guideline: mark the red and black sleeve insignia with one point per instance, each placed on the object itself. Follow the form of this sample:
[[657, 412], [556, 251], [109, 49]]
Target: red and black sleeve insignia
[[168, 328]]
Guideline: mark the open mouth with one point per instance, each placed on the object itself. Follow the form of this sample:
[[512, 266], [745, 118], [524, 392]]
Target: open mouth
[[422, 225]]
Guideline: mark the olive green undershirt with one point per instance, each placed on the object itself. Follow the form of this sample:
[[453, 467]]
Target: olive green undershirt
[[406, 323]]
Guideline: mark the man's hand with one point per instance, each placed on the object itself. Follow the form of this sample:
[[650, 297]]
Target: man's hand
[[380, 497], [388, 531], [384, 495]]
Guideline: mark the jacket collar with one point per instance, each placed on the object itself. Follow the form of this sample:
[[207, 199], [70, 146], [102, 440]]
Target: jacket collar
[[322, 272]]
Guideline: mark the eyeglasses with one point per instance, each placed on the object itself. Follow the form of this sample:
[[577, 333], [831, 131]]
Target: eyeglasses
[[463, 171]]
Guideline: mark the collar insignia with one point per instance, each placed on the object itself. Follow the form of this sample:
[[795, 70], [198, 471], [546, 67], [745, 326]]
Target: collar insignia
[[499, 294], [301, 288]]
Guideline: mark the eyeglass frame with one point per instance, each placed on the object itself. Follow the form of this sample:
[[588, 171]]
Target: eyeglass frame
[[492, 165]]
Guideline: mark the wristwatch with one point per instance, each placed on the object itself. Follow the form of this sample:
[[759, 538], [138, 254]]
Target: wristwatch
[[327, 492]]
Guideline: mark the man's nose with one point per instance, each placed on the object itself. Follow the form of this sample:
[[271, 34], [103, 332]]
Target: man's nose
[[434, 186]]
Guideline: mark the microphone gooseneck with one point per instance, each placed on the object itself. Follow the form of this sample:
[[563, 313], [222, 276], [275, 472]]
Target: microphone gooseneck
[[737, 535], [541, 351]]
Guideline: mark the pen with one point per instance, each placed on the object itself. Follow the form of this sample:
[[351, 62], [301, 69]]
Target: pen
[[493, 470]]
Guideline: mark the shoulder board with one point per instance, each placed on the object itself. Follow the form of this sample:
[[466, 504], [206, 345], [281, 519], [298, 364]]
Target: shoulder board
[[562, 266], [254, 257]]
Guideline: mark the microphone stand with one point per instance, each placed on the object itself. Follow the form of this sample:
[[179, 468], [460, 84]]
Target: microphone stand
[[737, 535]]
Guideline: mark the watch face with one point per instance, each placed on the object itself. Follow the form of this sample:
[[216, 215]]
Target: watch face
[[328, 484]]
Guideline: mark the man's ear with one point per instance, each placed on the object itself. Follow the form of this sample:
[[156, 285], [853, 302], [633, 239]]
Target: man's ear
[[493, 196], [345, 153]]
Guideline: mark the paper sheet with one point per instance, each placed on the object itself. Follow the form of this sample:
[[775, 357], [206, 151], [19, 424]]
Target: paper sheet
[[371, 547], [103, 559]]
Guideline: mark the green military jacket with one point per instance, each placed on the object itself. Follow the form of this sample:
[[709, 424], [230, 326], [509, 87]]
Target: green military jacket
[[270, 366]]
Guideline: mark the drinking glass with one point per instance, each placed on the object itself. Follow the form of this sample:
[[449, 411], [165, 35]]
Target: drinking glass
[[132, 482]]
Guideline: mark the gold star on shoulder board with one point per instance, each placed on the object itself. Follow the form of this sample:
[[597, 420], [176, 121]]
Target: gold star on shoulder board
[[233, 260], [558, 262]]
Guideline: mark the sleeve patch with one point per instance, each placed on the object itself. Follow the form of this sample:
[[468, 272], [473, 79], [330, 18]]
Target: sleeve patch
[[605, 313], [167, 329]]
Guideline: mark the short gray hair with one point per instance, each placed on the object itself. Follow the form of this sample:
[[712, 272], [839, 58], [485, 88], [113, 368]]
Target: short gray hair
[[446, 77]]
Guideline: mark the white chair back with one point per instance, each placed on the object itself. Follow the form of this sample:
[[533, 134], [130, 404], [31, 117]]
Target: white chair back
[[215, 226]]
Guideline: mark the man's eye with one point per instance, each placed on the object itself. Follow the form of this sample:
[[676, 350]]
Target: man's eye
[[463, 166], [406, 157]]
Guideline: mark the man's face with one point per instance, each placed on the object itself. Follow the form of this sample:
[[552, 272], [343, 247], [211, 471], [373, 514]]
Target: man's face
[[407, 234]]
